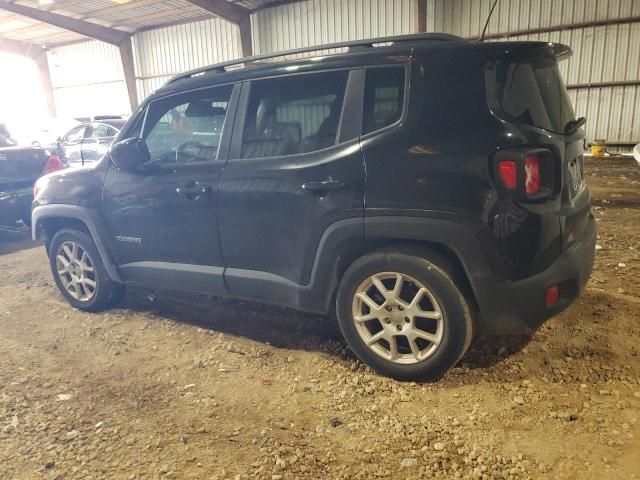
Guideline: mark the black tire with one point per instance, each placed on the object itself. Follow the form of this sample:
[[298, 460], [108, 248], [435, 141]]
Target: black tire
[[435, 274], [107, 293]]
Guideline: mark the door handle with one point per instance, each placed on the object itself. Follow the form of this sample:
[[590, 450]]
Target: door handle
[[324, 186], [193, 189]]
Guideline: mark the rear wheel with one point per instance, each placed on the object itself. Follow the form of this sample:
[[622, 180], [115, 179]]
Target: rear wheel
[[403, 315], [80, 274]]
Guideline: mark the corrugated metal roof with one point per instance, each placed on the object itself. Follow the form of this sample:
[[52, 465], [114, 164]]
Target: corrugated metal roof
[[129, 16]]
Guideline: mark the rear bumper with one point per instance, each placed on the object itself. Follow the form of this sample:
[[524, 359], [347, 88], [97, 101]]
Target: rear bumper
[[519, 307]]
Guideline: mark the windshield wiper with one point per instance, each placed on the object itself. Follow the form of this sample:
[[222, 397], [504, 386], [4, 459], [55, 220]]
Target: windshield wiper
[[573, 125]]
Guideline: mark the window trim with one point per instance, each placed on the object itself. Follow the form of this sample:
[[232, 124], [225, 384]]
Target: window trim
[[227, 131], [405, 101], [235, 151]]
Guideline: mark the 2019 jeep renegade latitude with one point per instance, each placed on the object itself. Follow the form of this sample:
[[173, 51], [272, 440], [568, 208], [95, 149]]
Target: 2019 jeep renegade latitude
[[424, 189]]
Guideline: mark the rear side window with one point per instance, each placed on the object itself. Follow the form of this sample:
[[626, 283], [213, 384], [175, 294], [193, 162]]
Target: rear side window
[[295, 114], [383, 97], [530, 90]]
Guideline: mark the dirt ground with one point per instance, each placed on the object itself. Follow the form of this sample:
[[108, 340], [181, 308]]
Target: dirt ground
[[197, 388]]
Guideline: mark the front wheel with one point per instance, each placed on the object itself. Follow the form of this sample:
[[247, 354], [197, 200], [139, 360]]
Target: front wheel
[[403, 314], [80, 274]]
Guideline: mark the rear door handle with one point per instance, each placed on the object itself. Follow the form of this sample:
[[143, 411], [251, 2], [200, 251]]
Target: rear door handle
[[324, 186], [193, 189]]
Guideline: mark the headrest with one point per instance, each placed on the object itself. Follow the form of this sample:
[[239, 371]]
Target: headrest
[[201, 108], [266, 112]]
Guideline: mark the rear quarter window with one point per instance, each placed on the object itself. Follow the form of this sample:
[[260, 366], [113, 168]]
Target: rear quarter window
[[529, 90], [383, 97]]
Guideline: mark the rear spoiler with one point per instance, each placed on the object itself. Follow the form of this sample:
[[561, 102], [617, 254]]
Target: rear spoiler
[[561, 51]]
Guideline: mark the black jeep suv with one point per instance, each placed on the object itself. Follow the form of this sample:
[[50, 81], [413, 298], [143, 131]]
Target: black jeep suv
[[422, 188]]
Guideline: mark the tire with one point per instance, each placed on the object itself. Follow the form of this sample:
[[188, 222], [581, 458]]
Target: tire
[[88, 269], [427, 289]]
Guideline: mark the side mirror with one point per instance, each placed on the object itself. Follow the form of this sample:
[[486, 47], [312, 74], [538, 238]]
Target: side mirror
[[130, 153]]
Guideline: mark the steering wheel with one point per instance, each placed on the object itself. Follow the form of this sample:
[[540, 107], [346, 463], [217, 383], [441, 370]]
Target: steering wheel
[[183, 155]]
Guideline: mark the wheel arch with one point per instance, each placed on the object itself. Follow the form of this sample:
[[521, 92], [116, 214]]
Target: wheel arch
[[47, 220], [452, 241]]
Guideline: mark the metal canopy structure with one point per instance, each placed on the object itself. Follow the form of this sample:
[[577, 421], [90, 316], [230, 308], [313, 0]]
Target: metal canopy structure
[[27, 27]]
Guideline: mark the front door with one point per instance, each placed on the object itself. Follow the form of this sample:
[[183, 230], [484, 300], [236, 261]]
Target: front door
[[163, 217], [294, 169]]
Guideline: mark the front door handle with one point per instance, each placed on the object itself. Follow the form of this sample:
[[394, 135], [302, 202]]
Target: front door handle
[[191, 190], [324, 186]]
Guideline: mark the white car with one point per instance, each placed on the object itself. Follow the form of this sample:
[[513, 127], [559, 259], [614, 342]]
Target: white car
[[636, 153]]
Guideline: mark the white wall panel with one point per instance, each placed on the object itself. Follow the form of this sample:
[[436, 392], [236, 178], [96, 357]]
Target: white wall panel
[[87, 80], [315, 22], [164, 52]]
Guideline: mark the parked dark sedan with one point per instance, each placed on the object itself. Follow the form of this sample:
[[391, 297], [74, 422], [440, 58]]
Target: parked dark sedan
[[89, 141], [20, 167]]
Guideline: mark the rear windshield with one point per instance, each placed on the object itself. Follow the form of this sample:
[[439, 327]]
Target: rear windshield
[[530, 90]]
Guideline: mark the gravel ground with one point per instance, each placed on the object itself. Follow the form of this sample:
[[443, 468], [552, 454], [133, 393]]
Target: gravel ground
[[189, 387]]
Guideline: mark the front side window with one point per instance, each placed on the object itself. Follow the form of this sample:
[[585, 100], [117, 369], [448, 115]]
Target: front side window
[[75, 135], [383, 97], [102, 131], [186, 128], [291, 115]]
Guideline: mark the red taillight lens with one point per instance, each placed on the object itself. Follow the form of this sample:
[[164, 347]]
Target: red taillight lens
[[552, 295], [531, 174], [508, 175], [53, 164]]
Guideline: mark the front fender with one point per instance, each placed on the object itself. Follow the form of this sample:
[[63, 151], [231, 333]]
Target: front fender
[[85, 215]]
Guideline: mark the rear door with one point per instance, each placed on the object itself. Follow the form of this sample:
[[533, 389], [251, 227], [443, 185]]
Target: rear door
[[294, 169]]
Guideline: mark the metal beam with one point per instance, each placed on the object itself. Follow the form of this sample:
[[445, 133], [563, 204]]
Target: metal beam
[[223, 9], [92, 30], [126, 57], [421, 16], [246, 37], [235, 14], [619, 83], [45, 79]]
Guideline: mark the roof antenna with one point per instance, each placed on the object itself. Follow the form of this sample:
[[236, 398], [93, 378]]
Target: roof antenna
[[484, 30]]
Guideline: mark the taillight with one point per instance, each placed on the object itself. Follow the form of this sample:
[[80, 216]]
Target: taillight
[[532, 174], [508, 173], [53, 164], [525, 174]]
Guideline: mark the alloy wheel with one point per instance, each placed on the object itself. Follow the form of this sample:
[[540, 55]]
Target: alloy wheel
[[398, 318], [75, 271]]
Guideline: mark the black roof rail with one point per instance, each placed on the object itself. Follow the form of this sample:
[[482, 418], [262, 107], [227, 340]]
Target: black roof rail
[[351, 45]]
